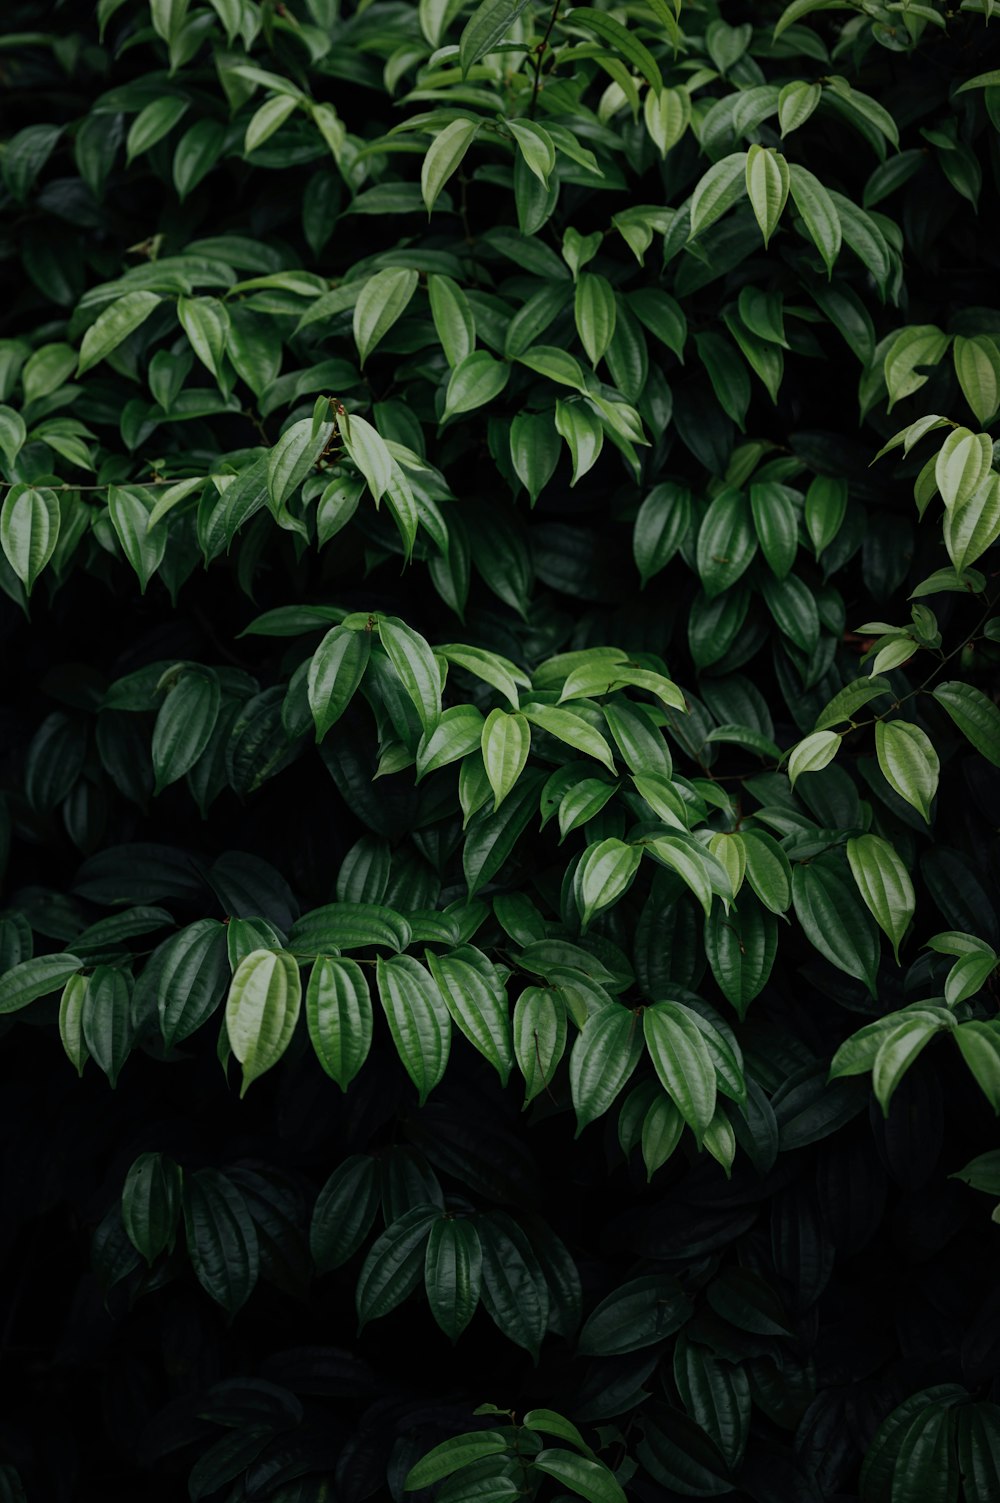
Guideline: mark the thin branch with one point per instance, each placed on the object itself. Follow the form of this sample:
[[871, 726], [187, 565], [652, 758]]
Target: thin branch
[[540, 52]]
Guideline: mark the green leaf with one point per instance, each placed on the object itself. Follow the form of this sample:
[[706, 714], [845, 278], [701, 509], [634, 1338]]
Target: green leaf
[[506, 739], [12, 433], [977, 366], [767, 183], [726, 542], [595, 311], [825, 510], [452, 1455], [768, 870], [394, 1265], [884, 883], [266, 119], [621, 41], [262, 1009], [221, 1239], [382, 300], [681, 1059], [834, 922], [963, 463], [979, 1045], [106, 1019], [638, 1314], [130, 508], [71, 1022], [418, 1020], [514, 1290], [741, 947], [604, 874], [344, 1212], [339, 1017], [588, 1479], [29, 531], [909, 763], [776, 526], [819, 213], [368, 452], [603, 1058], [337, 668], [205, 321], [151, 1204], [977, 717], [488, 25], [184, 724], [539, 1037], [688, 862], [973, 525], [153, 122], [571, 729], [454, 322], [416, 665], [189, 975], [717, 191], [661, 525], [126, 314], [35, 978], [813, 754], [453, 1273], [968, 976], [535, 146], [474, 993], [534, 450]]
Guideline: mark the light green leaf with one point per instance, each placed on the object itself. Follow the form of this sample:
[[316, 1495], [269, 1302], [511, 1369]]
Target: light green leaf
[[474, 993], [964, 461], [813, 753], [767, 183], [603, 1058], [571, 729], [819, 213], [884, 883], [453, 318], [418, 1019], [268, 118], [262, 1009], [115, 324], [604, 874], [337, 668], [382, 300], [536, 147], [718, 190], [416, 665], [368, 451], [130, 508], [977, 366], [29, 531], [339, 1017], [682, 1061], [506, 739], [909, 762]]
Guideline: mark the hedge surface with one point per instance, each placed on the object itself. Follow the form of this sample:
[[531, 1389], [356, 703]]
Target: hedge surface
[[484, 882]]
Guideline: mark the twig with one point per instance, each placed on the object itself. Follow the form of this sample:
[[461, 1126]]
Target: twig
[[540, 52]]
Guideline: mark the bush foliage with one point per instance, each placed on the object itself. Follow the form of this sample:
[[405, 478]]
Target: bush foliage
[[484, 889]]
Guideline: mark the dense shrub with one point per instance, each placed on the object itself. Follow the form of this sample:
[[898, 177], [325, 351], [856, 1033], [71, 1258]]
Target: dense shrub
[[483, 890]]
